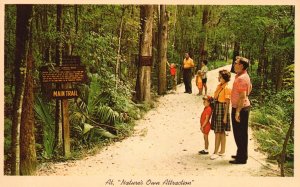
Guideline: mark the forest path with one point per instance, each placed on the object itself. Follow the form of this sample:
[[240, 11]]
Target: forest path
[[166, 143]]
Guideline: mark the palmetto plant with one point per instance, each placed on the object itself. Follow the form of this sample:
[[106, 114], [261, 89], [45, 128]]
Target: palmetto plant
[[94, 116], [87, 122], [44, 115]]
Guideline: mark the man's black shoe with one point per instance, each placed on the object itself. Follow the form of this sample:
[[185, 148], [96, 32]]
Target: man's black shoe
[[233, 156], [203, 152], [185, 92], [237, 162], [190, 92]]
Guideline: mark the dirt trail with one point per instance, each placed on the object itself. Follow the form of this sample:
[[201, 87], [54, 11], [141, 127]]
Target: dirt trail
[[166, 143]]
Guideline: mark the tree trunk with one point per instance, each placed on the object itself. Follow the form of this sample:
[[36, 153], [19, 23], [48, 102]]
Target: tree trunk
[[155, 48], [174, 27], [236, 52], [58, 61], [283, 152], [261, 69], [226, 51], [274, 70], [76, 18], [265, 72], [24, 13], [119, 48], [203, 52], [280, 74], [144, 72], [27, 133], [162, 51]]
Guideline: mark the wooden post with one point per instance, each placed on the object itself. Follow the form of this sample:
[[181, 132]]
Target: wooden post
[[66, 128]]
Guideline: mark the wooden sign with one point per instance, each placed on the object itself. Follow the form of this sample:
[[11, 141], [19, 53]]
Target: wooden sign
[[62, 74], [64, 93], [146, 60], [71, 60]]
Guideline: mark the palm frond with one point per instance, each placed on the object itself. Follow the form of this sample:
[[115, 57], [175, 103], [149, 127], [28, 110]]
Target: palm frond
[[43, 112]]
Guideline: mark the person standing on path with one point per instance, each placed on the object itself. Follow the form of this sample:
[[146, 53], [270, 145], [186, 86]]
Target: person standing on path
[[188, 65], [204, 70], [199, 82], [204, 122], [240, 109], [220, 119], [172, 67]]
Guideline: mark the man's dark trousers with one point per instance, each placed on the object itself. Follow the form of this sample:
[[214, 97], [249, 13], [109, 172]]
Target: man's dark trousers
[[240, 133], [187, 78]]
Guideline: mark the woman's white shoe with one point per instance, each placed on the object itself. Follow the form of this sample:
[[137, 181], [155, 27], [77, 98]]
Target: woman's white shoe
[[214, 156]]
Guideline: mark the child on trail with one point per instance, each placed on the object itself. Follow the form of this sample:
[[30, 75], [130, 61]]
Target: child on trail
[[199, 82], [173, 75], [204, 122], [204, 70]]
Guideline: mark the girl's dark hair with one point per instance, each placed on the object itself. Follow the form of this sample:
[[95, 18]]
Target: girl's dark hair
[[225, 75], [205, 62]]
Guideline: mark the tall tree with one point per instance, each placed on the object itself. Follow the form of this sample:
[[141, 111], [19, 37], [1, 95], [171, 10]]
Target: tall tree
[[143, 84], [119, 47], [203, 34], [27, 132], [236, 52], [162, 50], [58, 61], [24, 14]]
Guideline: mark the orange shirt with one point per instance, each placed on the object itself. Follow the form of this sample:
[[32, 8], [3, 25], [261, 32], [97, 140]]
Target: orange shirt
[[222, 92], [199, 81], [188, 63], [241, 83]]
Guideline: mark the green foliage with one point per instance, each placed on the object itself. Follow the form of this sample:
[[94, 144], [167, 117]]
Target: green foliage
[[272, 122], [85, 131], [7, 135], [107, 102], [106, 105], [89, 134], [268, 115], [44, 113], [289, 77]]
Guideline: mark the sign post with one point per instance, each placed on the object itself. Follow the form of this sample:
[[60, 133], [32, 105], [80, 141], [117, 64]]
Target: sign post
[[70, 72], [66, 128]]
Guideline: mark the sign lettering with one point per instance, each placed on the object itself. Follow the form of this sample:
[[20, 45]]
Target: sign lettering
[[63, 74], [64, 94]]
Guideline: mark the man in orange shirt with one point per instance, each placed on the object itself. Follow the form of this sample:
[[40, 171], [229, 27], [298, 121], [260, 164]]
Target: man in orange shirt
[[240, 109], [188, 65]]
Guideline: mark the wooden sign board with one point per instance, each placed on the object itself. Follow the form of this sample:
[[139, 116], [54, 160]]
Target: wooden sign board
[[64, 93], [146, 60], [62, 74], [71, 60]]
